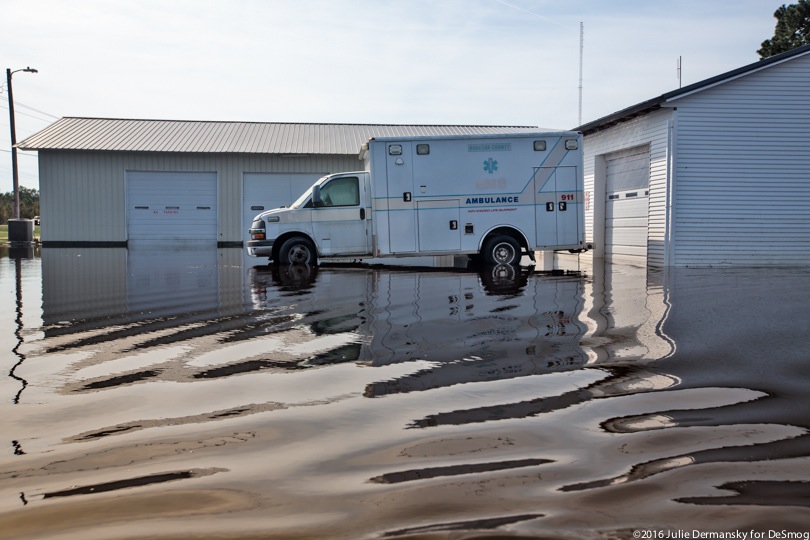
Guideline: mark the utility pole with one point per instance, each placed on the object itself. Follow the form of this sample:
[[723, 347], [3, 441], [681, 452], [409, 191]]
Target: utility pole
[[14, 172]]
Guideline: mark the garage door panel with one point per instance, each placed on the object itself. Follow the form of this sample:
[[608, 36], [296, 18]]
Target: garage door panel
[[627, 204], [636, 165], [631, 236], [171, 207], [635, 207], [630, 222]]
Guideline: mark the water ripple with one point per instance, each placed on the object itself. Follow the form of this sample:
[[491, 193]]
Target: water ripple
[[193, 393]]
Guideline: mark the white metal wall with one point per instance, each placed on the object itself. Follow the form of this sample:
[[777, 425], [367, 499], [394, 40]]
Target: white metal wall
[[742, 183], [652, 131]]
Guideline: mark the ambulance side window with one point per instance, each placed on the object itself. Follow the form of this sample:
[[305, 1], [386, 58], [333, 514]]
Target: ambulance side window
[[341, 192]]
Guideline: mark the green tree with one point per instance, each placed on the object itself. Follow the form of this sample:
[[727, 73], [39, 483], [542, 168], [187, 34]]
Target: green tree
[[792, 29], [29, 204]]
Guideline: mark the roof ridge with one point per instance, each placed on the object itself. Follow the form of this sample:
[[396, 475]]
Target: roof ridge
[[347, 124], [201, 136]]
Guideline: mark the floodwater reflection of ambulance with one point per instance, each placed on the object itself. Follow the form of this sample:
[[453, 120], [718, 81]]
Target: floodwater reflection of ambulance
[[464, 326]]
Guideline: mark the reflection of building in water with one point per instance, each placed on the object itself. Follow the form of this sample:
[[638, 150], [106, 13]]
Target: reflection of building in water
[[104, 286], [118, 305], [83, 284], [471, 325], [625, 309]]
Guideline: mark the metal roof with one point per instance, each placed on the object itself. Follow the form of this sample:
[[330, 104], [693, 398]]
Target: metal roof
[[123, 135], [654, 104]]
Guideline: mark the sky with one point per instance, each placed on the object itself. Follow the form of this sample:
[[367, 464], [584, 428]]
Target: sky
[[471, 62]]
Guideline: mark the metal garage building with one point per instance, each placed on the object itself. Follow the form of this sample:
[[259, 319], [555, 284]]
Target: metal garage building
[[716, 173], [112, 182]]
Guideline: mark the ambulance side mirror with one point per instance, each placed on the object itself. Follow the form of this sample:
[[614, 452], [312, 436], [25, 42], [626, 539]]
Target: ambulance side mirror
[[317, 202]]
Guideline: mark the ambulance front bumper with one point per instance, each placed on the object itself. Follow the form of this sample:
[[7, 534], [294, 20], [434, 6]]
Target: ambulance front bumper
[[260, 248]]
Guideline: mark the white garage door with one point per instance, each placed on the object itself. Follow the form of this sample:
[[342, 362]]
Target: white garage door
[[171, 207], [265, 191], [627, 203]]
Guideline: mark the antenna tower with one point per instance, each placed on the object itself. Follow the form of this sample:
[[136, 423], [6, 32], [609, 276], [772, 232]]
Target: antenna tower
[[680, 64], [581, 47]]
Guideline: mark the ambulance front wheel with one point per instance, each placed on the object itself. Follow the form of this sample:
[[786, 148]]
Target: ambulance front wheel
[[297, 250], [501, 250]]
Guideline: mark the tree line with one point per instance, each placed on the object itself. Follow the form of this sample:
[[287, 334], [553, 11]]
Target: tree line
[[792, 29], [29, 204]]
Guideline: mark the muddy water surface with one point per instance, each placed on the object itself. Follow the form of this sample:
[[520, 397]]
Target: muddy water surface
[[194, 394]]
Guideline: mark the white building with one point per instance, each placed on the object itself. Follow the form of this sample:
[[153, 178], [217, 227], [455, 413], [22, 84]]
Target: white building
[[716, 173], [111, 182]]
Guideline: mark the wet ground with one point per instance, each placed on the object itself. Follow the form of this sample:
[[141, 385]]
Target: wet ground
[[151, 394]]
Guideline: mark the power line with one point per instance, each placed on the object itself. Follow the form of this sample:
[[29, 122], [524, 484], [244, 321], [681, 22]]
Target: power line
[[3, 90], [29, 115], [23, 174], [23, 105], [19, 152]]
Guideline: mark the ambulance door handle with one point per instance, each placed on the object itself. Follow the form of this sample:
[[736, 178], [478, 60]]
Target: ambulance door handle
[[453, 225], [563, 206], [549, 207], [406, 197], [362, 213]]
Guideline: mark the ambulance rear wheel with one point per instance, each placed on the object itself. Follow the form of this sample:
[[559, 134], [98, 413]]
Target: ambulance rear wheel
[[501, 250], [297, 250]]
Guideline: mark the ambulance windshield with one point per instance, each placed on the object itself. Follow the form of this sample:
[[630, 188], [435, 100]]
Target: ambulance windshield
[[299, 202], [305, 201]]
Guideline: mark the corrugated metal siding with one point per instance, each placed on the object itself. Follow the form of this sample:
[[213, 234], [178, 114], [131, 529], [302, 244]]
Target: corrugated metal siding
[[651, 129], [742, 187], [77, 193], [82, 194], [107, 134]]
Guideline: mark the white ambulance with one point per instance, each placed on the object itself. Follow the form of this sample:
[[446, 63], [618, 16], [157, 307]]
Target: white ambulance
[[494, 196]]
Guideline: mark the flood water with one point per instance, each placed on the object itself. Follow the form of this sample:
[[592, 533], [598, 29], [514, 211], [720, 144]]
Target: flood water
[[191, 394]]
